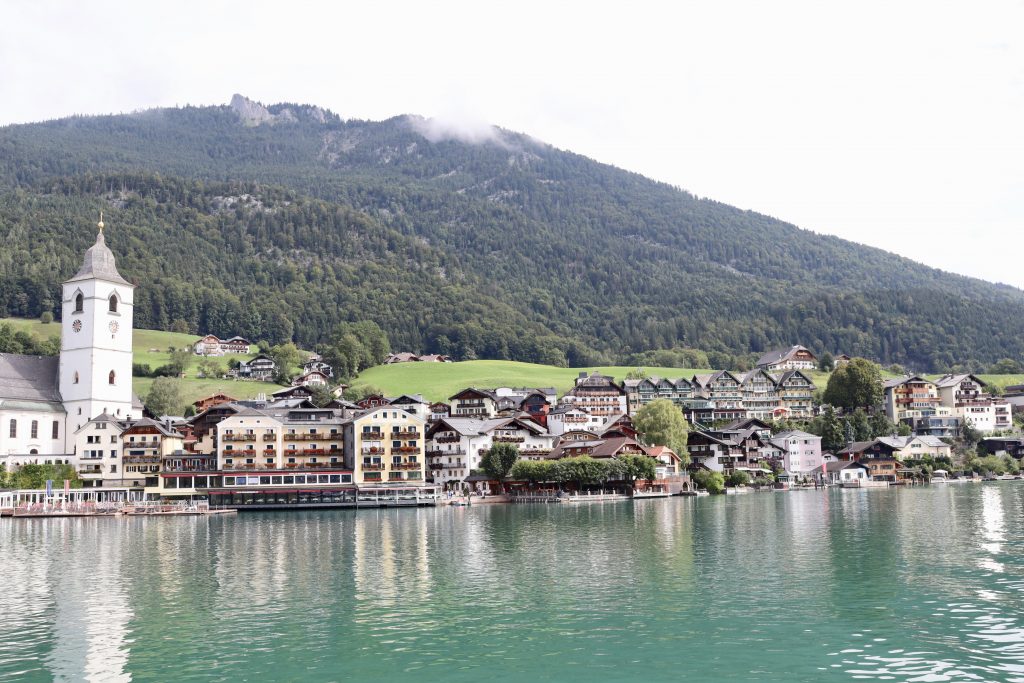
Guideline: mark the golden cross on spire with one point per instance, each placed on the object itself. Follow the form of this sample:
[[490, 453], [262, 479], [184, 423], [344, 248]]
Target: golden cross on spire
[[100, 224]]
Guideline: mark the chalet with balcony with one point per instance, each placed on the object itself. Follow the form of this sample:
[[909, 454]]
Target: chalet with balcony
[[966, 396], [598, 394], [212, 400], [312, 378], [759, 394], [796, 395], [800, 455], [640, 392], [472, 402], [723, 391], [262, 368], [144, 444], [881, 458], [793, 358], [455, 445], [568, 417], [910, 397]]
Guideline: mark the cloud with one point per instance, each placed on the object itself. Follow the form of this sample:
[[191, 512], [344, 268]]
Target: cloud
[[463, 129]]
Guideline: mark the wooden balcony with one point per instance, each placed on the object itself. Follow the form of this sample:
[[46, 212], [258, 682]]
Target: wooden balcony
[[372, 436], [372, 468], [270, 437], [405, 435], [406, 466], [406, 449], [238, 437]]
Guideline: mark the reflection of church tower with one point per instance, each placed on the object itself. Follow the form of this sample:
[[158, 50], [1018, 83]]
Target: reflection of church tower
[[96, 339]]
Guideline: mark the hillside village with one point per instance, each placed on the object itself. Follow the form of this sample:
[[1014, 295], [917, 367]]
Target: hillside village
[[307, 444]]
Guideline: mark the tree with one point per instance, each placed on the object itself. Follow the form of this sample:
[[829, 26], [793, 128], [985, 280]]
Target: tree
[[661, 423], [320, 395], [180, 360], [860, 425], [858, 384], [32, 476], [533, 471], [287, 357], [358, 392], [165, 397], [714, 482], [636, 467], [826, 362], [46, 318], [1005, 366], [639, 373], [880, 425], [829, 427], [180, 326], [498, 460], [210, 367], [580, 470]]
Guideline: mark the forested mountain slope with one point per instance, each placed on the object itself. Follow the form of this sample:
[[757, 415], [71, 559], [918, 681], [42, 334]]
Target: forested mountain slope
[[280, 221]]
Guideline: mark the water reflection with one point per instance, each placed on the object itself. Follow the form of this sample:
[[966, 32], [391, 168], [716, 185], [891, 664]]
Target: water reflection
[[914, 585]]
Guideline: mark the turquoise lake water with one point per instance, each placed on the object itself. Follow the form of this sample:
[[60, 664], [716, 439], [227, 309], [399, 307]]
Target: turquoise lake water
[[922, 584]]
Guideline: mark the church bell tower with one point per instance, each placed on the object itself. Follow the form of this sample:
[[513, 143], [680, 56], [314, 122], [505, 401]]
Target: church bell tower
[[96, 340]]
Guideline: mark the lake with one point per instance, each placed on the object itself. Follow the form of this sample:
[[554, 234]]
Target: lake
[[921, 584]]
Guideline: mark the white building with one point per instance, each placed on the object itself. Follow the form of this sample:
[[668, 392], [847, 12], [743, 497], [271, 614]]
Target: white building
[[801, 453], [45, 401]]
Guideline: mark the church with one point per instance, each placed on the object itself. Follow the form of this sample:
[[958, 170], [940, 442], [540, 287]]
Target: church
[[44, 400]]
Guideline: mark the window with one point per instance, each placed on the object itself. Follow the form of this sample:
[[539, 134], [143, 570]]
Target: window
[[111, 377], [74, 379], [56, 429], [113, 469], [79, 302], [14, 429], [113, 303]]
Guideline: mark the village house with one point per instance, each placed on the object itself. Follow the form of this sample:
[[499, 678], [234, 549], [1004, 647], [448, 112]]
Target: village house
[[800, 454], [965, 395], [97, 447], [793, 358], [313, 378], [598, 394], [386, 446], [473, 402], [212, 400], [262, 368], [724, 391], [912, 397], [568, 417], [841, 472], [881, 458], [316, 364], [144, 444], [211, 345], [455, 445]]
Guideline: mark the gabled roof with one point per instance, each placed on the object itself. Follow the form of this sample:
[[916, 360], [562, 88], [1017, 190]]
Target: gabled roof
[[29, 378], [406, 399], [839, 465], [473, 391], [779, 355], [746, 423], [955, 380]]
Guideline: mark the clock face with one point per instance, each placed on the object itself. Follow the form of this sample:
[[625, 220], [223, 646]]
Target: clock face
[[113, 326], [77, 326]]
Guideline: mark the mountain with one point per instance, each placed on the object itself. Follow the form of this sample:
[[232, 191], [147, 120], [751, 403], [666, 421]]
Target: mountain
[[280, 221]]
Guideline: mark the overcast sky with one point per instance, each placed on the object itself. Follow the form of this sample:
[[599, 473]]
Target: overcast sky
[[895, 124]]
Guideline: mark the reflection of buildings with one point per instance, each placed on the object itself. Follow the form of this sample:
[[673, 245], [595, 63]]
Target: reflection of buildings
[[92, 610]]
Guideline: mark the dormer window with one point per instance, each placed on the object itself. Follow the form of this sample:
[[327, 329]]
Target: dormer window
[[79, 302], [112, 303]]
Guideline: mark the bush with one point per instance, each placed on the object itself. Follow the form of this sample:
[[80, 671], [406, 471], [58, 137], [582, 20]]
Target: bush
[[46, 318], [737, 478], [714, 482], [141, 370]]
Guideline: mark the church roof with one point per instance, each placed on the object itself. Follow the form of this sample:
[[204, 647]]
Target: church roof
[[99, 263], [29, 378]]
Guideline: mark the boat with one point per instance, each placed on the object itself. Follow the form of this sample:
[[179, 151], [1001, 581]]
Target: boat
[[940, 477]]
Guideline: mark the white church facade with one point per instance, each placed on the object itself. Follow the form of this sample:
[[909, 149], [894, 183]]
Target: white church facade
[[44, 401]]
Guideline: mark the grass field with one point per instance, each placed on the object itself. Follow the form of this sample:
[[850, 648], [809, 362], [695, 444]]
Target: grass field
[[150, 347], [438, 381]]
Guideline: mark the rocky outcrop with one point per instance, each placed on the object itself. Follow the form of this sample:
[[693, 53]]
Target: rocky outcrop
[[251, 113]]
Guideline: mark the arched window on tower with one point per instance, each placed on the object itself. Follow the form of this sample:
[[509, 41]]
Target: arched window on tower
[[111, 377], [113, 303], [74, 379], [79, 302]]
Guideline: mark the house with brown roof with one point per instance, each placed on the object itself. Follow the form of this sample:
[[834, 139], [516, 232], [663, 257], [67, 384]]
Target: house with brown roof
[[794, 358]]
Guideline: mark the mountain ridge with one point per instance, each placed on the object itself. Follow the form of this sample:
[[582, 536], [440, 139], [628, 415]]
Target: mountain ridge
[[598, 261]]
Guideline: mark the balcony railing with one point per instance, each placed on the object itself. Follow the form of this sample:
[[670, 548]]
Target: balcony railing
[[406, 449], [438, 453], [447, 439], [270, 437], [310, 437], [372, 467], [509, 439], [372, 436], [238, 437], [372, 450], [406, 434], [405, 466]]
